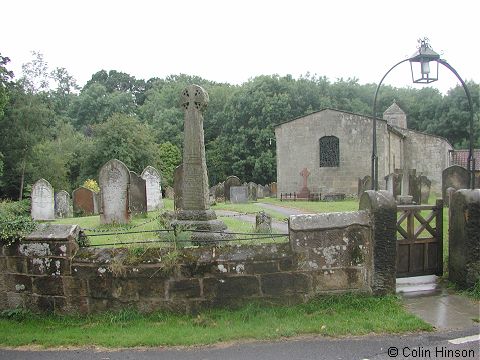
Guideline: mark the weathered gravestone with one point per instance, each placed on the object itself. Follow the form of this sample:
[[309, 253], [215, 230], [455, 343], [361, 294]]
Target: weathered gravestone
[[169, 193], [85, 202], [263, 222], [43, 204], [195, 212], [394, 184], [364, 185], [229, 182], [178, 187], [138, 194], [154, 188], [266, 191], [218, 192], [260, 191], [273, 189], [252, 191], [425, 186], [456, 177], [114, 181], [239, 194], [62, 204]]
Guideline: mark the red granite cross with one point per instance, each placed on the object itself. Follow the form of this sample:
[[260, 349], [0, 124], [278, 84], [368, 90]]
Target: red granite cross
[[305, 174]]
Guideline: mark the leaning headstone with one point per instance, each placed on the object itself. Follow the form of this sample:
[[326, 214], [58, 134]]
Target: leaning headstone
[[364, 185], [252, 191], [456, 177], [85, 202], [425, 186], [263, 222], [138, 194], [178, 187], [195, 212], [229, 182], [62, 204], [43, 204], [114, 181], [154, 188], [239, 194]]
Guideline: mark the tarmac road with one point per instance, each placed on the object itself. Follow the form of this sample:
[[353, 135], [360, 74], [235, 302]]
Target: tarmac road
[[413, 346]]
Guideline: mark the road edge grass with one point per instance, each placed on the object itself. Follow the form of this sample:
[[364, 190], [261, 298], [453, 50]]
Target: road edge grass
[[333, 316]]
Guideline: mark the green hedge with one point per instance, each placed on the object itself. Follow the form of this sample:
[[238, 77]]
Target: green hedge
[[15, 221]]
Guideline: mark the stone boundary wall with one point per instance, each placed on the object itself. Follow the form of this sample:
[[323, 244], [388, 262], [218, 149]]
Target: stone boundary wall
[[327, 253]]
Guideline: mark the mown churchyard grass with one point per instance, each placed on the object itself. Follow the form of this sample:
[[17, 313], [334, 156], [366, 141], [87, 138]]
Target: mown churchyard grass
[[151, 222], [327, 316]]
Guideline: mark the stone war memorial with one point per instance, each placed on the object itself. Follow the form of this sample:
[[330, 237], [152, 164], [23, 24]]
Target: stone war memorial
[[154, 188], [43, 202], [195, 212], [114, 181]]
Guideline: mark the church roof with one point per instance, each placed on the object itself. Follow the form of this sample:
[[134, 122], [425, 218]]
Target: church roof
[[326, 109], [391, 128], [394, 109]]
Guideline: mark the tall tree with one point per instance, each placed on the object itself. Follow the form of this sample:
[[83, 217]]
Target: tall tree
[[27, 120]]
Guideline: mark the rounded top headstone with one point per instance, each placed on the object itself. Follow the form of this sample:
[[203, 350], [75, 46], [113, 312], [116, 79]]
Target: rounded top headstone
[[150, 171]]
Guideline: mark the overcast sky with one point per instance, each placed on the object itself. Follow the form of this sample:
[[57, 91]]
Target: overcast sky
[[232, 41]]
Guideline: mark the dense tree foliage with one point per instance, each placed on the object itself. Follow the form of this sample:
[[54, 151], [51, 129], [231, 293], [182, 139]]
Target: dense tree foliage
[[52, 128]]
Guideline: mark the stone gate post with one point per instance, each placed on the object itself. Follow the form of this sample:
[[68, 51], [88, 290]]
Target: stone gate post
[[383, 211]]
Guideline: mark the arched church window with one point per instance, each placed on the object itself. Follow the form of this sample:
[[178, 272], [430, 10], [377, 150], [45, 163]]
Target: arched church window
[[329, 151]]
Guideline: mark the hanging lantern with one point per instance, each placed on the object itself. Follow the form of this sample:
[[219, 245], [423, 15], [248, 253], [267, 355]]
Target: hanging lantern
[[422, 71]]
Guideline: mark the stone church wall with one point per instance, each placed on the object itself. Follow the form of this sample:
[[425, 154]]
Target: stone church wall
[[298, 148], [428, 154]]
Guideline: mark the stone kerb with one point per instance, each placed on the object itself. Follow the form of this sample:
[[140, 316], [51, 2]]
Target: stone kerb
[[383, 211], [335, 248], [464, 238]]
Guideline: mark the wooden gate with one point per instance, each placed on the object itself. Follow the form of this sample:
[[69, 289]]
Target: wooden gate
[[420, 239]]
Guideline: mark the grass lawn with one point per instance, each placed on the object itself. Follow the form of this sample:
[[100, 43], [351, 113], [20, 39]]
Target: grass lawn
[[109, 235], [315, 206], [328, 316]]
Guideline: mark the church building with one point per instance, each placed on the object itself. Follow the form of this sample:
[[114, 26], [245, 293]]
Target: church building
[[336, 149]]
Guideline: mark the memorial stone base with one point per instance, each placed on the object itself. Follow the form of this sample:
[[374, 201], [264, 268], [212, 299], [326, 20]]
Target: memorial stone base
[[204, 226]]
